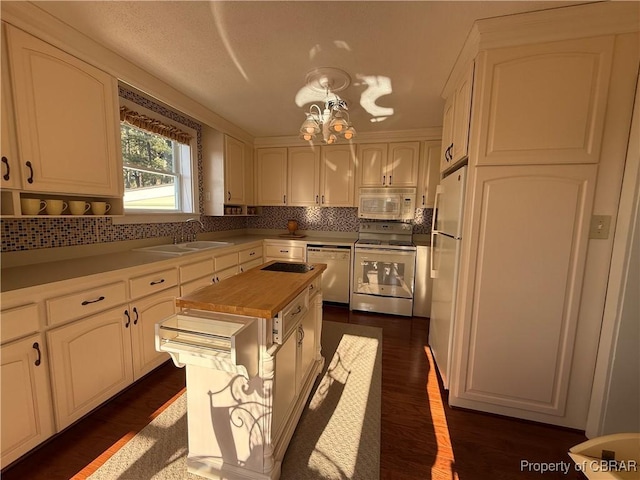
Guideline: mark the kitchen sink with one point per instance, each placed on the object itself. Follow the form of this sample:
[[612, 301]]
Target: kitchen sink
[[183, 248]]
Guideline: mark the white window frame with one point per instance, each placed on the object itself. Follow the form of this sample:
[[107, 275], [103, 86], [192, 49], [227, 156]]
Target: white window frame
[[188, 171]]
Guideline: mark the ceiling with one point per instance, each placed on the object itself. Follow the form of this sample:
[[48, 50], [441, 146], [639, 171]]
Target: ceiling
[[247, 61]]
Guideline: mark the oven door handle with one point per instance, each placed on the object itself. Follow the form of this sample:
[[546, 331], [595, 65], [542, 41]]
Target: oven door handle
[[385, 251]]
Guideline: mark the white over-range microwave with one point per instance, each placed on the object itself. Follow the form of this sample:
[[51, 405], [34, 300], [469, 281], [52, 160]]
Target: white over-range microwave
[[387, 203]]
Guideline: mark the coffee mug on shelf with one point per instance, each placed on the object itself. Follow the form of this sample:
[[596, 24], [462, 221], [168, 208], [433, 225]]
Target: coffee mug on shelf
[[32, 206], [55, 206], [78, 207], [100, 208]]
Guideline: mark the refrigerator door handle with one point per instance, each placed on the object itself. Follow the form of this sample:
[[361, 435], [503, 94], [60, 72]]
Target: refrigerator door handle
[[434, 218], [432, 272]]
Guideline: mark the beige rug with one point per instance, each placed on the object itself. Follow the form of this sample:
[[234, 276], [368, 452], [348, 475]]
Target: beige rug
[[338, 436]]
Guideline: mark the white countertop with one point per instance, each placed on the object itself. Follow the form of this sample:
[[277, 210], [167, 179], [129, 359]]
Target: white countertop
[[58, 264]]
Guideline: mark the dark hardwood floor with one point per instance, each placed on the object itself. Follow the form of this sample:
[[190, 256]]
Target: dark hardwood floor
[[421, 436]]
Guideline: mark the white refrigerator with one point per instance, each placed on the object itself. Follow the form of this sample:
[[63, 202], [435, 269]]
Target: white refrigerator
[[446, 236]]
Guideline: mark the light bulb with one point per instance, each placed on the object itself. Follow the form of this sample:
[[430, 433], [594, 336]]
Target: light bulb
[[348, 135], [309, 129], [307, 136]]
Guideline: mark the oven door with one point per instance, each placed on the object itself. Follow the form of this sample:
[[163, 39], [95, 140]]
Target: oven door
[[384, 272]]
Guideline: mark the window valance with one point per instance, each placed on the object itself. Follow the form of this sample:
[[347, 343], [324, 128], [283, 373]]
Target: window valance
[[152, 125]]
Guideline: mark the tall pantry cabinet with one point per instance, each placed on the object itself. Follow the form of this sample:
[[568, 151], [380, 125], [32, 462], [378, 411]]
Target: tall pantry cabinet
[[538, 123]]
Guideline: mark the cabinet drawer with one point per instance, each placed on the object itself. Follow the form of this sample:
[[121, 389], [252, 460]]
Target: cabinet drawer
[[187, 288], [249, 265], [314, 287], [195, 337], [77, 305], [289, 316], [250, 254], [153, 282], [19, 322], [196, 270], [226, 273], [226, 261], [285, 252]]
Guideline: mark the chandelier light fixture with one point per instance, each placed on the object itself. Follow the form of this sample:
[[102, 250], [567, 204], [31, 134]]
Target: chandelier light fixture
[[332, 121]]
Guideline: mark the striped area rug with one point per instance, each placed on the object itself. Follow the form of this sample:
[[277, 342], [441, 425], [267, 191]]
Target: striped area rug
[[338, 436]]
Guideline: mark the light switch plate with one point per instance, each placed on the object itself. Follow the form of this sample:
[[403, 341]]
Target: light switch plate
[[599, 228]]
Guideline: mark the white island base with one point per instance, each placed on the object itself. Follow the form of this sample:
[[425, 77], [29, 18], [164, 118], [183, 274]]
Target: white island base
[[248, 380], [226, 437]]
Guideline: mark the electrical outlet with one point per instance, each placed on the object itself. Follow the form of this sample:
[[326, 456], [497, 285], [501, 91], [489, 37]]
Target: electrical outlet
[[599, 228]]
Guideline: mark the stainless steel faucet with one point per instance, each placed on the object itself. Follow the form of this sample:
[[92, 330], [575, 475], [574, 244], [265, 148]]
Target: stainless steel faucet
[[192, 237]]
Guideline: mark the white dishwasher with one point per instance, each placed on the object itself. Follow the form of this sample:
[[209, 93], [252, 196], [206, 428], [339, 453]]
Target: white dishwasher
[[335, 279]]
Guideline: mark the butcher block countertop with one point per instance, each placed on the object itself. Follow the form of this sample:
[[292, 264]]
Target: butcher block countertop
[[254, 293]]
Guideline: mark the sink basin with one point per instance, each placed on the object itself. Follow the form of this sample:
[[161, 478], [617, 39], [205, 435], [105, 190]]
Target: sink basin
[[183, 248]]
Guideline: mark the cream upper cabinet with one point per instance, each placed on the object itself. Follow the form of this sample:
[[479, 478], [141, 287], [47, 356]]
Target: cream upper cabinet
[[234, 170], [528, 237], [271, 176], [385, 165], [303, 176], [68, 124], [337, 176], [456, 123], [372, 164], [402, 164], [543, 104], [428, 174], [9, 170]]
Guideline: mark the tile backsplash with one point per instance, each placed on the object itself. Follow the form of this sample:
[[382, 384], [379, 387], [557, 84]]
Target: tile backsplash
[[32, 233]]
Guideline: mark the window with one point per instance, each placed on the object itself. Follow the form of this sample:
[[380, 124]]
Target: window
[[157, 159]]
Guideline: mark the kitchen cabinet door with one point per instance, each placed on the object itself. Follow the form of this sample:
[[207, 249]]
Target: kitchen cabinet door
[[68, 124], [337, 176], [284, 389], [306, 354], [543, 104], [303, 178], [271, 176], [90, 362], [521, 288], [9, 173], [428, 174], [27, 418], [234, 170], [402, 164], [447, 134], [372, 164], [145, 313]]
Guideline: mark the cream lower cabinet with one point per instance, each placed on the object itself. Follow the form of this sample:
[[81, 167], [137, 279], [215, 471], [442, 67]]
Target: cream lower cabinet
[[521, 289], [145, 313], [284, 391], [90, 362], [27, 418]]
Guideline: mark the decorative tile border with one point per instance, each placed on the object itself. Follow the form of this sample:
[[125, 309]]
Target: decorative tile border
[[32, 233]]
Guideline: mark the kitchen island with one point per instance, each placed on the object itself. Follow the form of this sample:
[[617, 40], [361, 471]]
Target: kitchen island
[[251, 347]]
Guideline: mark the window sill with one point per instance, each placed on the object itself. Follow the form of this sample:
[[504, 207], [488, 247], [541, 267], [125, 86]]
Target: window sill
[[148, 217]]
